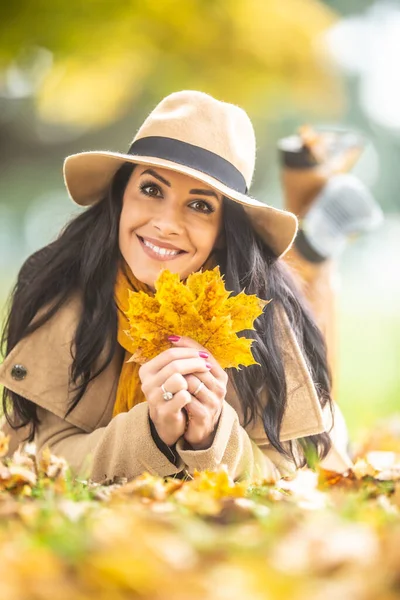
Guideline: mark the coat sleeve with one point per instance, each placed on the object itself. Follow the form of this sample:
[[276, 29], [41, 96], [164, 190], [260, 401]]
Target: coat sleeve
[[232, 447], [338, 458], [123, 448], [244, 459]]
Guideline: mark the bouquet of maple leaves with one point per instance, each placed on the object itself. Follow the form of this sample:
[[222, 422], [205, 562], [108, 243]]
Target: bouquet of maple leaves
[[201, 309]]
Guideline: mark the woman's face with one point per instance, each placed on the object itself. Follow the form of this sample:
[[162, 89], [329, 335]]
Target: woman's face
[[168, 221]]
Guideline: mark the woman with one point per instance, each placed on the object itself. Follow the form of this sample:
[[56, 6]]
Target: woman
[[178, 199]]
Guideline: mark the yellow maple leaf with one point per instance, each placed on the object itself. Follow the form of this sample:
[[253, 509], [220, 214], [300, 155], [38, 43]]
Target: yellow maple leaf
[[201, 309], [218, 483]]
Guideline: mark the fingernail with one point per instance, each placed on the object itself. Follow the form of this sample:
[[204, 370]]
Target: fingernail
[[209, 366], [203, 354], [174, 338]]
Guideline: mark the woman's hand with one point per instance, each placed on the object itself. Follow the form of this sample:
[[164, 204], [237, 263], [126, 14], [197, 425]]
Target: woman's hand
[[170, 369], [205, 408]]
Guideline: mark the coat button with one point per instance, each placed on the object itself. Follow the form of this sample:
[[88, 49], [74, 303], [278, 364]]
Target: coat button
[[18, 372]]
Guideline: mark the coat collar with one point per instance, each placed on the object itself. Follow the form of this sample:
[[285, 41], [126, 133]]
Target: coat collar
[[46, 357]]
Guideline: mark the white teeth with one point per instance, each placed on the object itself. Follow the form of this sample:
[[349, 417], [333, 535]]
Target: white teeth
[[161, 251]]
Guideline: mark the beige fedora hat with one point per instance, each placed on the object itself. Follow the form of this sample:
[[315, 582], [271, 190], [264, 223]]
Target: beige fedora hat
[[195, 134]]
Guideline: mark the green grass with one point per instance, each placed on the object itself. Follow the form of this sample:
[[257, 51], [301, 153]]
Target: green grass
[[369, 368]]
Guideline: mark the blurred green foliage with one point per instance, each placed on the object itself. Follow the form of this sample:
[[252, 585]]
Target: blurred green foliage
[[368, 382], [101, 56]]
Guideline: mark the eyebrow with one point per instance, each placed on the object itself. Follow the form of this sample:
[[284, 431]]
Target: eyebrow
[[204, 192], [157, 176], [166, 182]]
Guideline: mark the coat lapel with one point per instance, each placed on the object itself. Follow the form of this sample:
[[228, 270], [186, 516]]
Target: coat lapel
[[303, 415], [46, 358]]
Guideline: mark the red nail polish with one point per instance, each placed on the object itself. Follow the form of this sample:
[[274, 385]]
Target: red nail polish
[[209, 366], [203, 354], [174, 338]]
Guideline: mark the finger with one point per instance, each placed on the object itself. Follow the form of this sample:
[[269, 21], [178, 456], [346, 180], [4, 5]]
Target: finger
[[182, 366], [212, 393], [161, 360], [210, 401], [216, 370], [174, 384], [198, 414], [187, 342], [193, 381], [203, 394], [171, 407], [211, 384], [199, 390]]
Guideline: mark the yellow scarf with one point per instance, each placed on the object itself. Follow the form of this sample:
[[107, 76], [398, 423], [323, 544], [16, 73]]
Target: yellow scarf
[[129, 392]]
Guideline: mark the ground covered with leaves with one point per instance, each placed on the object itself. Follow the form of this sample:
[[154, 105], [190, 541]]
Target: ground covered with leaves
[[317, 536]]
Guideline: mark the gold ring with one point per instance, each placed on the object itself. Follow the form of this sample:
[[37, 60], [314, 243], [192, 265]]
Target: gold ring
[[199, 388]]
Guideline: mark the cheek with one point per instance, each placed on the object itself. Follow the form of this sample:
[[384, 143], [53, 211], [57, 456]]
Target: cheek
[[127, 223], [208, 235], [204, 239], [122, 233], [131, 217]]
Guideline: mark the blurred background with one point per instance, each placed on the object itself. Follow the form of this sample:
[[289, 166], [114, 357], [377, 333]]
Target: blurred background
[[77, 76]]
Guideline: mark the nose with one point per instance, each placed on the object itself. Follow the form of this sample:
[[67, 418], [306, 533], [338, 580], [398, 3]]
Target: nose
[[168, 220]]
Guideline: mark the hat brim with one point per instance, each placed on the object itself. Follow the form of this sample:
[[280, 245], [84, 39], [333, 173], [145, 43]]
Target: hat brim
[[87, 176]]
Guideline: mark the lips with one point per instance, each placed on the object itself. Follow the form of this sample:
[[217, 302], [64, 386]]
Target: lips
[[159, 257], [160, 244]]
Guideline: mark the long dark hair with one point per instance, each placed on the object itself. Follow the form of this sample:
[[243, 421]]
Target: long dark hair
[[84, 259], [249, 263]]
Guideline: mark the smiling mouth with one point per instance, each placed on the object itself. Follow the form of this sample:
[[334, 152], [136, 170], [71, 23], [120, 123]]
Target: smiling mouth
[[159, 253]]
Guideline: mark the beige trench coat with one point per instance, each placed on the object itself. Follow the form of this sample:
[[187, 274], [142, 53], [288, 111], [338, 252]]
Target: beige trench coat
[[101, 447]]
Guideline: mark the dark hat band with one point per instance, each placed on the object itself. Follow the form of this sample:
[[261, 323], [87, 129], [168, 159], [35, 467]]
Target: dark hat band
[[191, 156]]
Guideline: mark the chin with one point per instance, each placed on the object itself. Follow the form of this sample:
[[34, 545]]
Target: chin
[[148, 274], [145, 276]]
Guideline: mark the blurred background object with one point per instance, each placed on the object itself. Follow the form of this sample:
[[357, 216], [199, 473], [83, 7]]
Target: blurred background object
[[333, 208], [77, 76]]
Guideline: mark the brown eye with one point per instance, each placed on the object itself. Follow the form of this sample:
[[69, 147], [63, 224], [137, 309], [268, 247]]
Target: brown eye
[[204, 206], [150, 189]]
